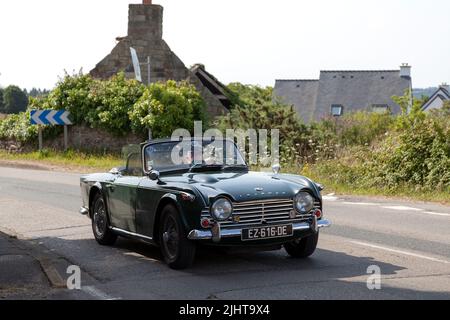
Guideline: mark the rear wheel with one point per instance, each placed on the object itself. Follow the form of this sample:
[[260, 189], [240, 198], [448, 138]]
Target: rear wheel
[[100, 223], [302, 248], [177, 250]]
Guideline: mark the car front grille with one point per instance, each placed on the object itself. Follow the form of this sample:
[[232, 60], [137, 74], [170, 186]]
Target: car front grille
[[262, 212]]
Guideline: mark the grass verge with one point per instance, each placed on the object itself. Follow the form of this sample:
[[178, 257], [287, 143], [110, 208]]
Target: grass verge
[[66, 160], [404, 192]]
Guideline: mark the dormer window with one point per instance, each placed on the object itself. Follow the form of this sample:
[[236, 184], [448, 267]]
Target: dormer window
[[380, 108], [337, 110]]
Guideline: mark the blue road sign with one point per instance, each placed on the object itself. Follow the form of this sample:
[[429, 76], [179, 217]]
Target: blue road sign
[[50, 117]]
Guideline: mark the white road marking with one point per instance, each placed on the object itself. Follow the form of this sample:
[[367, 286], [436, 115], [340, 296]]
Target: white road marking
[[406, 253], [330, 198], [402, 208], [437, 214], [96, 293], [360, 203]]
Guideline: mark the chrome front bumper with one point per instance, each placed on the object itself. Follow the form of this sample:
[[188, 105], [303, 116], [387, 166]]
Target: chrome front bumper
[[216, 233]]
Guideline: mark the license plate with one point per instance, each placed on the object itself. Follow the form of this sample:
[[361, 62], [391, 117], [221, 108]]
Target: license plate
[[267, 232]]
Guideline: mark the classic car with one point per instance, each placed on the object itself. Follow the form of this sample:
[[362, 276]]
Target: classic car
[[212, 200]]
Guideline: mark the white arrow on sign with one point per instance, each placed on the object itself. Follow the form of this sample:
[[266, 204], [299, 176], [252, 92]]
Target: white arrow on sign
[[50, 117]]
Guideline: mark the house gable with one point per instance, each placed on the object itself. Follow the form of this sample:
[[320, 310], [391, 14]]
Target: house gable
[[436, 101]]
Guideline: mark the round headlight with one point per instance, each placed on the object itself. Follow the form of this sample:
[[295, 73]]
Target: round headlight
[[222, 209], [304, 202]]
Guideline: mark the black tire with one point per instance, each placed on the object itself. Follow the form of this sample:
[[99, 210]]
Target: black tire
[[178, 252], [100, 222], [302, 248]]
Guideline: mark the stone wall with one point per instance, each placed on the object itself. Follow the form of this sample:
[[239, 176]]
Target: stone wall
[[80, 138]]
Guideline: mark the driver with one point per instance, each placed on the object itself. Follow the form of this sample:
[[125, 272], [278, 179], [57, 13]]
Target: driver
[[193, 156]]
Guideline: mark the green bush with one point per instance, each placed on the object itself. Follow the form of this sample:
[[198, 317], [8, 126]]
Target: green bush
[[417, 154], [17, 127], [96, 103], [117, 105], [165, 107], [256, 110]]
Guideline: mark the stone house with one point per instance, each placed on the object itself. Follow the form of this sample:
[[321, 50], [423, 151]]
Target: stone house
[[145, 35], [338, 92]]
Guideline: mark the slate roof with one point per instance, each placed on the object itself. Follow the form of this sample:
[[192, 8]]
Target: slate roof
[[301, 94], [441, 93], [354, 90]]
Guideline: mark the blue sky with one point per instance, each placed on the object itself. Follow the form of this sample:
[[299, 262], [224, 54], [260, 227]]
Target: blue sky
[[251, 41]]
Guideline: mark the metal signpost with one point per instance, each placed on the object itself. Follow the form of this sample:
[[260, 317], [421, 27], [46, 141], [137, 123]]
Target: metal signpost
[[51, 117]]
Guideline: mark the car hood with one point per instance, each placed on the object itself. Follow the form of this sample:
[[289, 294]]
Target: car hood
[[244, 186]]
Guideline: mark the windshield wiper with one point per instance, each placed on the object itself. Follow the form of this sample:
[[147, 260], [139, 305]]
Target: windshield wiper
[[234, 166], [204, 166]]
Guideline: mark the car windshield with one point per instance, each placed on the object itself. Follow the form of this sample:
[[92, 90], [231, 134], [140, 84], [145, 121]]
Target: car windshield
[[192, 155]]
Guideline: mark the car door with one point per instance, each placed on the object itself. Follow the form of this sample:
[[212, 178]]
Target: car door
[[149, 195], [122, 195]]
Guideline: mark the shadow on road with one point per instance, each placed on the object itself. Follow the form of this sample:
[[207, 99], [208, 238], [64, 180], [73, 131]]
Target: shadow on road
[[139, 270]]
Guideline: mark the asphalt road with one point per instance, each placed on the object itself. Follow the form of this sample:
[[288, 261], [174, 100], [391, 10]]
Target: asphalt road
[[408, 241]]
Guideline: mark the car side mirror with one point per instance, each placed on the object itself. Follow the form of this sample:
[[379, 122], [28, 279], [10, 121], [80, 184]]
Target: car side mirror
[[320, 186], [276, 168], [154, 175], [115, 171]]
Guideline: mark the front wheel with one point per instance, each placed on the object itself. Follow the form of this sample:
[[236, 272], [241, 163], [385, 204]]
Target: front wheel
[[302, 248], [177, 250]]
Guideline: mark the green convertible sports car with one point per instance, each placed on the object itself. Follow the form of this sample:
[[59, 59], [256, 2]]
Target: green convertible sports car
[[212, 200]]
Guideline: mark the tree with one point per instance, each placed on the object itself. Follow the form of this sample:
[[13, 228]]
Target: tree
[[38, 92], [2, 105], [15, 100]]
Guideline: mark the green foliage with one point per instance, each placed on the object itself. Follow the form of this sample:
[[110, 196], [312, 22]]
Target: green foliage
[[418, 154], [364, 151], [95, 103], [14, 100], [249, 95], [117, 105], [165, 107], [415, 155], [2, 103], [256, 110], [17, 127], [35, 92], [301, 143]]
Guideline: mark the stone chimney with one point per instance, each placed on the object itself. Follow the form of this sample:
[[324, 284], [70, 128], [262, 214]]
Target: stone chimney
[[145, 22], [405, 71]]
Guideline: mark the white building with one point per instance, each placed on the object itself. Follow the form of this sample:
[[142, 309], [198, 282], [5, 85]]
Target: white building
[[438, 98]]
